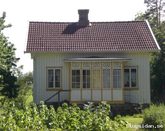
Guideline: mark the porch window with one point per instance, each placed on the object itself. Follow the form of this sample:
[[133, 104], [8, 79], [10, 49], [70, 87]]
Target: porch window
[[106, 78], [130, 77], [75, 78], [54, 77], [96, 79], [86, 78], [117, 78]]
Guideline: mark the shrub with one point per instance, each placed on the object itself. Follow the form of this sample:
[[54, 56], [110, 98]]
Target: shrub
[[68, 118], [155, 115]]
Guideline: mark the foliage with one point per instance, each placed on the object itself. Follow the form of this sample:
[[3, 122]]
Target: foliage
[[154, 14], [8, 62], [155, 115], [25, 82], [70, 118], [134, 120]]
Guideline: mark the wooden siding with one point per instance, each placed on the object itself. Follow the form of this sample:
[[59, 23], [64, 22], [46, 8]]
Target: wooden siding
[[44, 60], [142, 94]]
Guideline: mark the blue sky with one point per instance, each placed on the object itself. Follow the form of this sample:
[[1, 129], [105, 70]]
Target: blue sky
[[20, 12]]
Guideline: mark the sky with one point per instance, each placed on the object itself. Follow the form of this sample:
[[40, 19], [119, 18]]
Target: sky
[[20, 12]]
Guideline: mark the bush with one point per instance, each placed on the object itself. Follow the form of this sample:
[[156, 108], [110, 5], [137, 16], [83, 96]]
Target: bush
[[155, 115], [71, 118]]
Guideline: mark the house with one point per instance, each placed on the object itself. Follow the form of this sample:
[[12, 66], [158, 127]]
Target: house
[[91, 61]]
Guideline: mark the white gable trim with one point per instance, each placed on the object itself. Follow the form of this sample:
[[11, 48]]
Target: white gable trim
[[153, 35]]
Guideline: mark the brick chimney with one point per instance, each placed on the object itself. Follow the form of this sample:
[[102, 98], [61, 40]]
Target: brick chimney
[[83, 17]]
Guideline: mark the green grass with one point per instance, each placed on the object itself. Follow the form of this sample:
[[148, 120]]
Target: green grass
[[133, 120], [1, 109], [29, 99], [2, 97]]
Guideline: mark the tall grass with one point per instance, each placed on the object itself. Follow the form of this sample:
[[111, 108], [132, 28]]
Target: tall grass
[[155, 116]]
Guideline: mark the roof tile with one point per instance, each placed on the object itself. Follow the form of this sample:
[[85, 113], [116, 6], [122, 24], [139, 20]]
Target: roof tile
[[100, 36]]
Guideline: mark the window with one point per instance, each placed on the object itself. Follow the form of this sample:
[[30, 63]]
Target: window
[[106, 78], [133, 77], [126, 78], [86, 78], [54, 77], [57, 78], [117, 78], [75, 78], [130, 77]]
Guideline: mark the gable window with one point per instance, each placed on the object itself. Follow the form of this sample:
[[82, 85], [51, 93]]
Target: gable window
[[86, 78], [54, 77], [75, 78], [130, 77]]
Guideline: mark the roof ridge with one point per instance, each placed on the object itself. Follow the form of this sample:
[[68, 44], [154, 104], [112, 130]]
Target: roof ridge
[[49, 22], [135, 21]]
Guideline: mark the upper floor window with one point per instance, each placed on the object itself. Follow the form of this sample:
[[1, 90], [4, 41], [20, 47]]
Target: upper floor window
[[54, 77], [130, 77]]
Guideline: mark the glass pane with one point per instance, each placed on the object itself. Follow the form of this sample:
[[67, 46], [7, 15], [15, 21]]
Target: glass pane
[[78, 85], [133, 77], [77, 72], [50, 75], [75, 78], [50, 78], [75, 85], [106, 78], [126, 78], [57, 84], [50, 85], [57, 75], [117, 78], [57, 78], [86, 78]]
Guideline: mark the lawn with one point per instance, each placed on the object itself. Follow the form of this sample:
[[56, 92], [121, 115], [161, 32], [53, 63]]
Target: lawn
[[134, 121], [29, 99]]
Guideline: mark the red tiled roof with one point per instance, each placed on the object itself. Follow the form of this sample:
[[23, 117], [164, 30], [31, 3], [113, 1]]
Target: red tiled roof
[[99, 36]]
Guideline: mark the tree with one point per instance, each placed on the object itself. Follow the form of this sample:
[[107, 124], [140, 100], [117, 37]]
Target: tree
[[25, 82], [154, 14], [8, 62]]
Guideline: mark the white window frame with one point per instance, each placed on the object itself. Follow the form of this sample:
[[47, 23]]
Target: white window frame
[[54, 79], [106, 79], [87, 82], [118, 78], [75, 82], [118, 75], [130, 77]]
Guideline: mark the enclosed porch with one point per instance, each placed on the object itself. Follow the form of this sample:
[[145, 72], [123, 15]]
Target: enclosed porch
[[96, 79]]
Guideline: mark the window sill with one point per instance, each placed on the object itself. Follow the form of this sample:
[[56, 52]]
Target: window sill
[[131, 88]]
